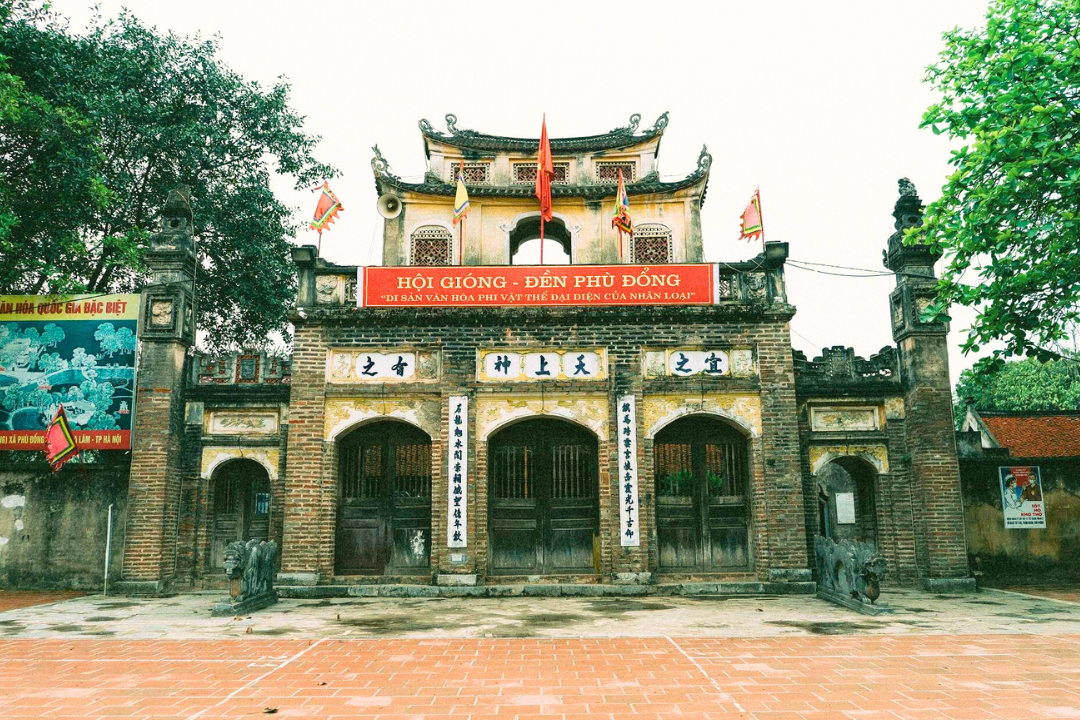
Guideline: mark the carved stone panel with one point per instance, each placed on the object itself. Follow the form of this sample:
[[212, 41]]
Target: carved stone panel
[[241, 422], [845, 419]]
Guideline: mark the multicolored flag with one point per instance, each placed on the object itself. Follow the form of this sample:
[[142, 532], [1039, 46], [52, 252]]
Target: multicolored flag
[[621, 219], [461, 200], [327, 209], [752, 225], [60, 443], [545, 170]]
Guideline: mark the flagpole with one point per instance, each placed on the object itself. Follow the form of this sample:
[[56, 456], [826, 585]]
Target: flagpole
[[461, 222]]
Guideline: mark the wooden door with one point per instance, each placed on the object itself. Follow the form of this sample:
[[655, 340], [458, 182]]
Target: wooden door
[[701, 475], [384, 504], [241, 506], [543, 492]]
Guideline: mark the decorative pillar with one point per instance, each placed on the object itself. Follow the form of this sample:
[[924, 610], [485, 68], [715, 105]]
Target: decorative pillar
[[167, 330], [940, 539]]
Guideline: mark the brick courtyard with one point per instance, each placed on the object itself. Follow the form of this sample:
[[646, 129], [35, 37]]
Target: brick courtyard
[[987, 656], [812, 678]]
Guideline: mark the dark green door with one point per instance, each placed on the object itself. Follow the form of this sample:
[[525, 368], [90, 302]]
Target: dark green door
[[543, 492], [702, 474], [384, 503]]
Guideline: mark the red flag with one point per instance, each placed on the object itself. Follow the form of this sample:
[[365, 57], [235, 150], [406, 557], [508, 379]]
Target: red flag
[[544, 172], [59, 441], [752, 226], [325, 212]]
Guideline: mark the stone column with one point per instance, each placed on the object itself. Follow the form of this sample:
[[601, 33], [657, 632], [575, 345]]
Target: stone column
[[167, 331], [941, 542]]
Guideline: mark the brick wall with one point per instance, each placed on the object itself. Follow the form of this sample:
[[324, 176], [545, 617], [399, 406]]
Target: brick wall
[[778, 525], [154, 483], [932, 444]]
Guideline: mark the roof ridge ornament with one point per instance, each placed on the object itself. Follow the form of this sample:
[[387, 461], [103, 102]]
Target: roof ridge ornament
[[704, 161], [451, 125], [379, 165], [660, 124], [629, 129]]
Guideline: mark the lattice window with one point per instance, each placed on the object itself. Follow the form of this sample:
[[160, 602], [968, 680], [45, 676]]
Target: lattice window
[[474, 173], [361, 471], [510, 473], [571, 475], [431, 245], [412, 470], [608, 172], [651, 244], [525, 173]]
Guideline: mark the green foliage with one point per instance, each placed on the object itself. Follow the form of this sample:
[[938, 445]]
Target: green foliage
[[107, 123], [1009, 216], [1026, 385]]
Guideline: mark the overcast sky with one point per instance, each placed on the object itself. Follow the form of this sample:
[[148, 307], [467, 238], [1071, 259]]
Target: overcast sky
[[817, 103]]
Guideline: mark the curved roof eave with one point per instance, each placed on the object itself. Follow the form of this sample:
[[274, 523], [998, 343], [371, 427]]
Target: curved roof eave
[[648, 185], [621, 137]]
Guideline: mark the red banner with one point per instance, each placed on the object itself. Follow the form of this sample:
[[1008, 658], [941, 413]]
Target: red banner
[[536, 285], [85, 439]]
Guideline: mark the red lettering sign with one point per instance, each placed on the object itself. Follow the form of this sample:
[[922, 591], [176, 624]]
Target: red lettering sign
[[85, 439], [536, 285]]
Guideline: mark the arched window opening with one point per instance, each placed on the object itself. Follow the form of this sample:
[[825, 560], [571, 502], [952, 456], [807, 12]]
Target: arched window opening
[[702, 476], [848, 485], [651, 244], [525, 242], [431, 245]]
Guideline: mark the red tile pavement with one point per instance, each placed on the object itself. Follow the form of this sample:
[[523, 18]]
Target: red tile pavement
[[15, 599], [973, 677]]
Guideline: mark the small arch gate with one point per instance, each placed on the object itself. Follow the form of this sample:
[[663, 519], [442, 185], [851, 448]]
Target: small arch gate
[[241, 506], [384, 501]]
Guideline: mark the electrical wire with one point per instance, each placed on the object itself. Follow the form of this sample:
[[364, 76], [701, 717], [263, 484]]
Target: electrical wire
[[869, 273]]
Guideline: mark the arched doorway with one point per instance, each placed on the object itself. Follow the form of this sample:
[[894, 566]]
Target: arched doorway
[[543, 498], [848, 506], [525, 242], [702, 475], [241, 506], [384, 501]]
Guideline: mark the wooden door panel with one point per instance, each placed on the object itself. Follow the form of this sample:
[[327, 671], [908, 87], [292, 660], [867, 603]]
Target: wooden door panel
[[514, 536], [360, 548], [410, 541], [226, 528]]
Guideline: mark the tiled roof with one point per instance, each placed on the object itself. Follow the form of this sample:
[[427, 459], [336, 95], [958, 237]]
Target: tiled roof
[[1036, 434], [620, 137]]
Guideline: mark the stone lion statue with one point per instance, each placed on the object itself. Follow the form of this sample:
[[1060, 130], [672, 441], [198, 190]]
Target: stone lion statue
[[850, 568], [250, 567]]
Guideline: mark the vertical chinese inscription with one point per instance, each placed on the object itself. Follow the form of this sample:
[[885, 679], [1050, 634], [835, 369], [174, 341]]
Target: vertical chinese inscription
[[457, 470], [628, 472]]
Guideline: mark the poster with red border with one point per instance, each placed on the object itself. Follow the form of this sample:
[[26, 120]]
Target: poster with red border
[[78, 351], [1022, 497]]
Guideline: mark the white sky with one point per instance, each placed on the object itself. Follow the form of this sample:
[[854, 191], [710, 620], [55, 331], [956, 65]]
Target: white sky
[[818, 103]]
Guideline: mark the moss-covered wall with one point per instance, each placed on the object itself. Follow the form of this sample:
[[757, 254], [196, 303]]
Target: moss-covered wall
[[53, 526], [1022, 555]]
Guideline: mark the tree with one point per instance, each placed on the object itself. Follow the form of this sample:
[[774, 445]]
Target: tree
[[160, 110], [1027, 385], [1009, 216]]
